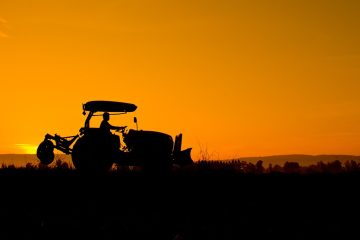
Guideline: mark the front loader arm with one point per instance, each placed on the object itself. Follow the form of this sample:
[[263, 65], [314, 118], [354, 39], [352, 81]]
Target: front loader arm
[[62, 143]]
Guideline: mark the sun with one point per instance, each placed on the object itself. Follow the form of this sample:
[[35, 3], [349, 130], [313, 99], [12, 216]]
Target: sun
[[26, 148]]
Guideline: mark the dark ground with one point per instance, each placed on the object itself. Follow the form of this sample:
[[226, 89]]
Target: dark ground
[[39, 204]]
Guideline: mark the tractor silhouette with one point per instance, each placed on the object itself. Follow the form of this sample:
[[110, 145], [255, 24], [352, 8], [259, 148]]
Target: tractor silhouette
[[94, 149]]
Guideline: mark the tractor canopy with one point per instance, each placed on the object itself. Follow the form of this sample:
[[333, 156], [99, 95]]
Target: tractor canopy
[[109, 106]]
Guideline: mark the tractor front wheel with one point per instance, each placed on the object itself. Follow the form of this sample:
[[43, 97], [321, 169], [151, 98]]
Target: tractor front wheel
[[45, 152]]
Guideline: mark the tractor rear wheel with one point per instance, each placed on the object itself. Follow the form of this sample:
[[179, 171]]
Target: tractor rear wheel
[[91, 155]]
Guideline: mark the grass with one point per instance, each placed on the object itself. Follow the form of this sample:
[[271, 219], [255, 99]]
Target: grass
[[207, 200], [234, 166]]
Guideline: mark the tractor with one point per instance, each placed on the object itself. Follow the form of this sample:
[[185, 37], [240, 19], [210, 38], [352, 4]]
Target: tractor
[[94, 149]]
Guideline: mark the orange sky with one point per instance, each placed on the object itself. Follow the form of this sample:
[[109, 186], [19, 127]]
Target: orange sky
[[238, 78]]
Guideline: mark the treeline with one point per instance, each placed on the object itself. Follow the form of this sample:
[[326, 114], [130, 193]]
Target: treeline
[[333, 167], [237, 166]]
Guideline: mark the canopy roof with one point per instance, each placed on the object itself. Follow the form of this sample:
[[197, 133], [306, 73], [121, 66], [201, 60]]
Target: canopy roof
[[109, 106]]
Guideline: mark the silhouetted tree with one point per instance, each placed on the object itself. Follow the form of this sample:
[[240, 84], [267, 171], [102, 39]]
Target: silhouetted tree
[[259, 167], [334, 167], [352, 166], [277, 169], [291, 167]]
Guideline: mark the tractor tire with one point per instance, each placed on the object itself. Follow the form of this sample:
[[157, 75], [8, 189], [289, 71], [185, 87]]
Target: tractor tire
[[45, 152], [92, 156]]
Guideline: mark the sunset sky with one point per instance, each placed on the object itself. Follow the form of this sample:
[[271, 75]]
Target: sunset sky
[[237, 78]]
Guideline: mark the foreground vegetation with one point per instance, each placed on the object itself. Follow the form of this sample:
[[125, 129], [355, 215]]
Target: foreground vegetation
[[203, 201], [234, 166]]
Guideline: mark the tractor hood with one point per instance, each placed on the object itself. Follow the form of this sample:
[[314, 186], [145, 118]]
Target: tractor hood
[[148, 141], [109, 106]]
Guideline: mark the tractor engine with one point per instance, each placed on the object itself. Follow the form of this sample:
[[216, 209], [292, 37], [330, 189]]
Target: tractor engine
[[149, 148]]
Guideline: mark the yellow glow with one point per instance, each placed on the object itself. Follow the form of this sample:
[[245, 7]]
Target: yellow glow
[[26, 148]]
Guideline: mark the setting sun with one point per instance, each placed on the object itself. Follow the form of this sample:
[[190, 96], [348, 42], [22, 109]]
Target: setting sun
[[26, 148]]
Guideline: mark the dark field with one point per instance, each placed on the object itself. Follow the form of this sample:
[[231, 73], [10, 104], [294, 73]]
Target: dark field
[[62, 204]]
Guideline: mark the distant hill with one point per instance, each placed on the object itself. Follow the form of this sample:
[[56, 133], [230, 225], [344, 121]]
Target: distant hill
[[303, 160]]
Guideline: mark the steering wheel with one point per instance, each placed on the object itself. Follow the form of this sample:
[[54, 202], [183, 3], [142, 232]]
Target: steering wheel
[[121, 129]]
